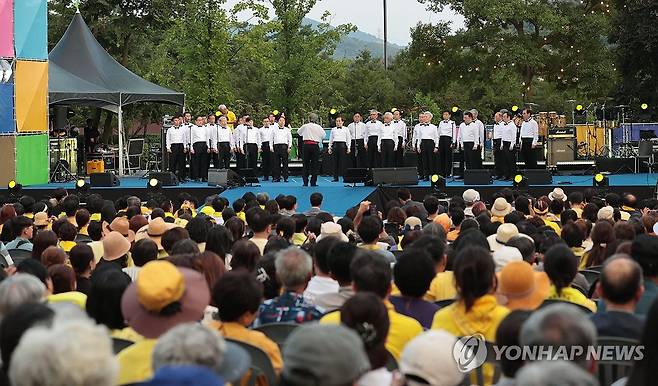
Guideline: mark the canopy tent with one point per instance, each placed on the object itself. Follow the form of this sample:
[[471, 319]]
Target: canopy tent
[[81, 72]]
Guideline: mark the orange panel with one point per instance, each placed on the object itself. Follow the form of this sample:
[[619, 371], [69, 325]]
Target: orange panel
[[31, 84]]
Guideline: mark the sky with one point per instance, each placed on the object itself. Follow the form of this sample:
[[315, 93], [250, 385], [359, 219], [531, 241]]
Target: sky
[[367, 15]]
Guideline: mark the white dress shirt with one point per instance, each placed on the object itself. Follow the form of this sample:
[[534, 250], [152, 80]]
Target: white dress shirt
[[480, 126], [238, 133], [508, 133], [373, 128], [357, 130], [426, 131], [530, 129], [251, 134], [388, 131], [199, 134], [498, 130], [211, 129], [340, 134], [281, 136], [222, 134], [266, 133], [311, 132], [401, 128], [469, 133], [447, 129], [176, 135]]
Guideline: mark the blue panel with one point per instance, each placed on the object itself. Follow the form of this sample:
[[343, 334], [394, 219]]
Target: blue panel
[[31, 29], [7, 122]]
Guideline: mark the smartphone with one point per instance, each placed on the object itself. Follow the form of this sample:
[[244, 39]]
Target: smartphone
[[373, 210]]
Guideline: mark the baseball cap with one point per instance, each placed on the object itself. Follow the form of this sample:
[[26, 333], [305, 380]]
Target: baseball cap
[[421, 356], [471, 196], [605, 213], [324, 355]]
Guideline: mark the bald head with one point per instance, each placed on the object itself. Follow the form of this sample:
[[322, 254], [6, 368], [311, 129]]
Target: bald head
[[621, 281]]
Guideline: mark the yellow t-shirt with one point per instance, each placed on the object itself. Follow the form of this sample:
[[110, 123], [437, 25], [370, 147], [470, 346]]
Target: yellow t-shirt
[[402, 329], [135, 363], [571, 295], [442, 287], [74, 297], [231, 119]]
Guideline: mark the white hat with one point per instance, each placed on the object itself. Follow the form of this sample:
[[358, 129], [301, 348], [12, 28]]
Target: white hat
[[421, 355], [501, 207], [331, 229], [471, 196], [606, 213], [557, 194], [504, 233], [655, 228], [506, 255]]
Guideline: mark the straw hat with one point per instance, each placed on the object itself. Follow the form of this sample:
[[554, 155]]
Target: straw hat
[[540, 207], [557, 194], [521, 288], [501, 207], [154, 231], [41, 219], [443, 220], [115, 245], [146, 302], [121, 225]]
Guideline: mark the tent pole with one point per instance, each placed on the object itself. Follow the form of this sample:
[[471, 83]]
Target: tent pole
[[120, 137]]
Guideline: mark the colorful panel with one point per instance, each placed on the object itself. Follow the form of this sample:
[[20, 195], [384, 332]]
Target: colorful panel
[[7, 122], [7, 159], [31, 29], [32, 159], [6, 28], [31, 88]]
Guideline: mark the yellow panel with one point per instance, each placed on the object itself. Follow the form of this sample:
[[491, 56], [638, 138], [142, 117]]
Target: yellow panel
[[31, 84], [591, 136]]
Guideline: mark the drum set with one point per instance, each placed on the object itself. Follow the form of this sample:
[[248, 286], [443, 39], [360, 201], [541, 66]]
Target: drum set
[[550, 119]]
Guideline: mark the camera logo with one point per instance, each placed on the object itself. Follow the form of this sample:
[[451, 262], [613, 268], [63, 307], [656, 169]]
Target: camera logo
[[470, 352]]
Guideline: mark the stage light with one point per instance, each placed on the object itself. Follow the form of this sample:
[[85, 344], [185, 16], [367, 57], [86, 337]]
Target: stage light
[[515, 108], [275, 112], [438, 182], [455, 109], [600, 180], [81, 187], [154, 185], [218, 113], [394, 109], [332, 111], [520, 181], [644, 106], [579, 107], [14, 188]]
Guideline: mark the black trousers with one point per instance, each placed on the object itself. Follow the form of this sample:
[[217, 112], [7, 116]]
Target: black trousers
[[310, 163], [222, 159], [339, 152], [251, 151], [445, 155], [177, 160], [509, 161], [240, 160], [199, 166], [399, 153], [427, 157], [359, 155], [529, 154], [266, 159], [499, 158], [471, 157], [388, 153], [280, 162], [373, 152]]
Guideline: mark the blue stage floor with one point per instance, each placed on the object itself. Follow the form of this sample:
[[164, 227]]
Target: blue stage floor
[[337, 197]]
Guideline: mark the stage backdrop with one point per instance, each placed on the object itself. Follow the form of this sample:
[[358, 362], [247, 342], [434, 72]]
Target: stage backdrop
[[7, 123], [31, 29], [32, 159], [31, 96], [6, 28], [7, 159]]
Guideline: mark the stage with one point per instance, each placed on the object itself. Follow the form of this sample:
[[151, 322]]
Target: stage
[[338, 197]]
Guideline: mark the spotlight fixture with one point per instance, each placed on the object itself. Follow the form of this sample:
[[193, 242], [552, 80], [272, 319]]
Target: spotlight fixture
[[600, 181], [515, 108], [644, 106], [332, 111], [520, 181], [14, 188], [455, 109], [438, 182], [81, 187], [579, 107], [275, 112], [154, 185]]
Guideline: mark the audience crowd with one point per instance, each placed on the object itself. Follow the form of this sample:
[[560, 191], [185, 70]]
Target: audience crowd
[[182, 292]]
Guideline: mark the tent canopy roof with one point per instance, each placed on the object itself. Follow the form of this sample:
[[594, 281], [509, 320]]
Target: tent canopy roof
[[82, 72]]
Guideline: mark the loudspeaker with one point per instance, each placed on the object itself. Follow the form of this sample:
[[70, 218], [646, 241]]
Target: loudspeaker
[[477, 177], [561, 150], [537, 176], [217, 177], [395, 176], [167, 178], [103, 180], [615, 165], [249, 176], [356, 176]]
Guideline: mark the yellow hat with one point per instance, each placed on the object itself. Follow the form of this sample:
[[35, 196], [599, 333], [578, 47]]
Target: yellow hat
[[159, 284]]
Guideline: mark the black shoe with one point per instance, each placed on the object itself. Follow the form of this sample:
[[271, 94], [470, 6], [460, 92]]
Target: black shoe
[[305, 184], [276, 180], [334, 180], [285, 180], [266, 178], [314, 184]]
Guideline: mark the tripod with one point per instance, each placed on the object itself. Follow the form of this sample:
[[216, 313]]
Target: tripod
[[61, 171]]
